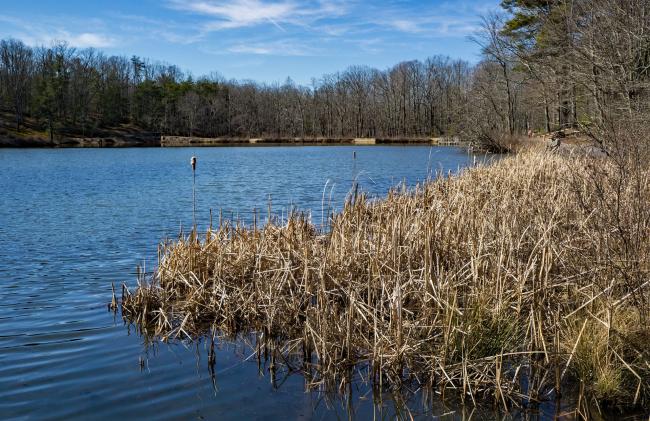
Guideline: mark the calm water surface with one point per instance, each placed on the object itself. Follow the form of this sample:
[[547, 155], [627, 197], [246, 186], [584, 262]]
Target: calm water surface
[[74, 220]]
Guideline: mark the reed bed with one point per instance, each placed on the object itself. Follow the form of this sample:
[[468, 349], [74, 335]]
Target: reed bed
[[512, 282]]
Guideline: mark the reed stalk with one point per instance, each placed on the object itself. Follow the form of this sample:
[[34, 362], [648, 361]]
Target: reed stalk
[[506, 282]]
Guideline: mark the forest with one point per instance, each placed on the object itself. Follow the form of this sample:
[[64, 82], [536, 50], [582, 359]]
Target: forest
[[545, 65]]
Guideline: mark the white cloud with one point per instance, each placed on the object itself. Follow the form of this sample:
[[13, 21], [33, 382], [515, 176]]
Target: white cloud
[[405, 25], [448, 19], [243, 13], [82, 40], [88, 39], [279, 48], [247, 13], [435, 25], [36, 33], [143, 27], [335, 30]]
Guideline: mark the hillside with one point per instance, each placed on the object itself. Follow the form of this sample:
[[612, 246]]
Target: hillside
[[32, 134]]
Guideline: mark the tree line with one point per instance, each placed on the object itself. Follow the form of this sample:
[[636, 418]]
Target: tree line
[[546, 65], [560, 64], [80, 91]]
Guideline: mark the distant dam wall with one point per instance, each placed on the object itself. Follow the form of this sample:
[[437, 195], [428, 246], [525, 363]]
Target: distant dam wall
[[185, 141]]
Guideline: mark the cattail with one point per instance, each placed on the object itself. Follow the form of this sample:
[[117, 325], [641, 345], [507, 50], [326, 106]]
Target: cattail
[[487, 282], [193, 163]]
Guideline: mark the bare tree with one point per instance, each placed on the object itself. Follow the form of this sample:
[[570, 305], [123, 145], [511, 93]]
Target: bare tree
[[16, 65], [495, 48]]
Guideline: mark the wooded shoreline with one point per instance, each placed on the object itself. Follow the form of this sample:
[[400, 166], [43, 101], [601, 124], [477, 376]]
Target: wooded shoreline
[[154, 140]]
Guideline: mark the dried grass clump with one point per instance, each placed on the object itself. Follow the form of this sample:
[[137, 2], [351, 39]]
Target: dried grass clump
[[509, 281]]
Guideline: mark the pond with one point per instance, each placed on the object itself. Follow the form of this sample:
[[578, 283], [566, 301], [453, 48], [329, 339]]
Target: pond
[[72, 221]]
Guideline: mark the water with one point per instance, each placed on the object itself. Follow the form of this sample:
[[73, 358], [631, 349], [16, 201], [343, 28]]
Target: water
[[74, 220]]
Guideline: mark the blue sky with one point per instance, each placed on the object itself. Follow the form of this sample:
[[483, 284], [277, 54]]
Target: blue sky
[[263, 40]]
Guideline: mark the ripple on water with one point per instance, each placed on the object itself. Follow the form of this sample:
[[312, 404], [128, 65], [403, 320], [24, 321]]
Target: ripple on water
[[73, 221]]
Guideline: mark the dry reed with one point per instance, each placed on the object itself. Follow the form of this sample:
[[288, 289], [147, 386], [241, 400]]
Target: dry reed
[[507, 282]]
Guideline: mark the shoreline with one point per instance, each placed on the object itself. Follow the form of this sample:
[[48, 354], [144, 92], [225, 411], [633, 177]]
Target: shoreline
[[156, 141], [183, 141]]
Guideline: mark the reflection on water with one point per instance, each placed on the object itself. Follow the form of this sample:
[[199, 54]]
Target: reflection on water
[[339, 399], [74, 221]]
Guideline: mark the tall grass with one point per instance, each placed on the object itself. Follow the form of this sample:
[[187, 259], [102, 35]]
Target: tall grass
[[511, 282]]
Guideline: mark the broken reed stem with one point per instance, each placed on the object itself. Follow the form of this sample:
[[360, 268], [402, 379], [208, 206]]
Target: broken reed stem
[[471, 283]]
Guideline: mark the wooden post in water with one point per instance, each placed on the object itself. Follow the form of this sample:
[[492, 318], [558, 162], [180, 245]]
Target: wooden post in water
[[354, 176], [193, 162]]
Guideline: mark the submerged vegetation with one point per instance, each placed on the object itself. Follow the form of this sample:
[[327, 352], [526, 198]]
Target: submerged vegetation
[[513, 282]]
